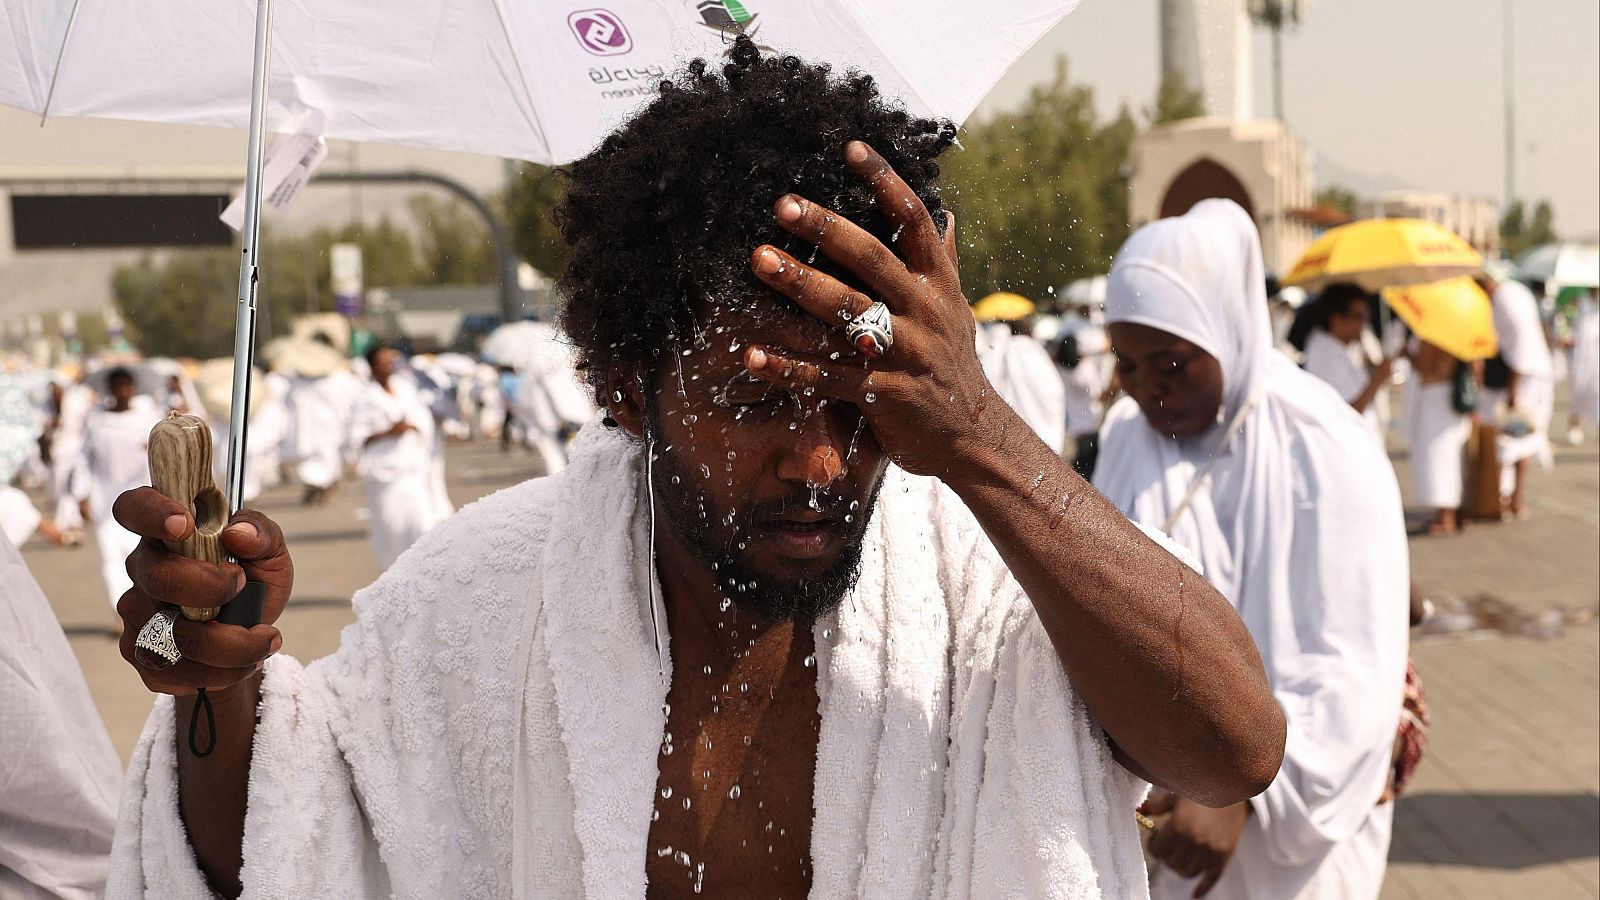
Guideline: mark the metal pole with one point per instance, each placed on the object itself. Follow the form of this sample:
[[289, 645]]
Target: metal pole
[[1277, 71], [244, 330], [1511, 107]]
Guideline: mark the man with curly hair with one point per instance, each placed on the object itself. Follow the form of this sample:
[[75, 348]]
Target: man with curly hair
[[811, 613]]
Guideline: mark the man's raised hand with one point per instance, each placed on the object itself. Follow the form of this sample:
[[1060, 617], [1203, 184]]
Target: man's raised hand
[[926, 397]]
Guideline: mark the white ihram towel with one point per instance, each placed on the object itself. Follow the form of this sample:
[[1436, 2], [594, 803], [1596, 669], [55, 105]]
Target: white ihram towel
[[471, 739]]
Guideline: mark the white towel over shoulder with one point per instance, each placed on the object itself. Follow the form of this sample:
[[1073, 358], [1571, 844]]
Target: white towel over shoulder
[[489, 727]]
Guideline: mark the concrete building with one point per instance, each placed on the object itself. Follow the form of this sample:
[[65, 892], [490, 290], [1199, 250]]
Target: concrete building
[[1259, 164], [1207, 44]]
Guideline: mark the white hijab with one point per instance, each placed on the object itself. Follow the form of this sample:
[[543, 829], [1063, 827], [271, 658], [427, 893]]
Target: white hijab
[[1297, 518]]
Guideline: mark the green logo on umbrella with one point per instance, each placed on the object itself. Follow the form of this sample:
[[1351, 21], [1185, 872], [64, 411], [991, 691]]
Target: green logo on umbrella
[[728, 18], [725, 15]]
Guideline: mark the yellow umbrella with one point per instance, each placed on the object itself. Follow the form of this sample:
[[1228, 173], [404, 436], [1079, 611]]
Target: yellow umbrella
[[1454, 315], [1381, 253], [1002, 307]]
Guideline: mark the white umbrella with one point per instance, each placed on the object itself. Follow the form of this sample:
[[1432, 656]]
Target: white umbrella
[[520, 345], [534, 79], [530, 79], [1566, 264], [456, 365]]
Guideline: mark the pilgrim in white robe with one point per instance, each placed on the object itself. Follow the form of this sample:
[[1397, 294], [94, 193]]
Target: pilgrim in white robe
[[77, 401], [1297, 519], [1344, 367], [320, 412], [1438, 438], [269, 438], [1526, 352], [551, 404], [59, 772], [1086, 382], [403, 500], [1025, 376], [18, 516], [115, 458], [1585, 371], [490, 725]]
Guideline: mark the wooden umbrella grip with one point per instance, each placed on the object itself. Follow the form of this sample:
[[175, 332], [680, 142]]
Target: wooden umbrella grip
[[180, 468]]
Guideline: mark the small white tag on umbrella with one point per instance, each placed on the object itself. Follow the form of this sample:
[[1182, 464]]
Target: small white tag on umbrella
[[291, 159]]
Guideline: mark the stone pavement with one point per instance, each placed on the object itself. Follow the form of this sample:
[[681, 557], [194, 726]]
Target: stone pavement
[[1506, 804], [1507, 800]]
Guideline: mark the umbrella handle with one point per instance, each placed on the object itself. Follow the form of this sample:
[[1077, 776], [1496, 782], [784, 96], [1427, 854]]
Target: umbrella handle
[[180, 468]]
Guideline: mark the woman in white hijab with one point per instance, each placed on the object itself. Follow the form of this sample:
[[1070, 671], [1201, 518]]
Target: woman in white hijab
[[1275, 482]]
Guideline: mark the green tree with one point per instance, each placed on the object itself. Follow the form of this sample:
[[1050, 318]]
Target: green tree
[[1341, 198], [532, 196], [182, 306], [1039, 193], [1519, 234], [455, 247], [1175, 101]]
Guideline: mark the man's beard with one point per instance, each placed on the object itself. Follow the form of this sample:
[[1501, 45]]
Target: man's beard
[[766, 596]]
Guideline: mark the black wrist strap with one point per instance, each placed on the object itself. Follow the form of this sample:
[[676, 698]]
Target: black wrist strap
[[202, 702], [244, 610]]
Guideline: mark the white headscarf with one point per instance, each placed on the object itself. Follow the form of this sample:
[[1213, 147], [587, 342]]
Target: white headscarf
[[1297, 520]]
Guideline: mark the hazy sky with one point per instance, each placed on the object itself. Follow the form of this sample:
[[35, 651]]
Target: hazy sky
[[1388, 93]]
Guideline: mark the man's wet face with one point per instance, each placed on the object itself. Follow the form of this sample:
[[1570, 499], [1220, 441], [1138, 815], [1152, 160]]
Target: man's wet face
[[771, 489]]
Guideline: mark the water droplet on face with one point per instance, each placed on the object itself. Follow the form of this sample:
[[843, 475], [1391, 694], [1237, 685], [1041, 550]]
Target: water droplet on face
[[686, 803], [705, 471], [666, 792], [733, 792], [870, 397], [810, 661]]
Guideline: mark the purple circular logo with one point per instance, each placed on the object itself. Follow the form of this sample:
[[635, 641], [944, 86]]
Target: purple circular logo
[[600, 32]]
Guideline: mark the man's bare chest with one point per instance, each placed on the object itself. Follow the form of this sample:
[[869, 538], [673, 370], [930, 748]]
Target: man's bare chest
[[733, 802]]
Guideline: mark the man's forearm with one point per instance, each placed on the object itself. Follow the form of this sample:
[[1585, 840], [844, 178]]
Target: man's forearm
[[213, 790], [1160, 658]]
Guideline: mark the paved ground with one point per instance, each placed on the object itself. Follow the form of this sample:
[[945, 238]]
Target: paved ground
[[1507, 803]]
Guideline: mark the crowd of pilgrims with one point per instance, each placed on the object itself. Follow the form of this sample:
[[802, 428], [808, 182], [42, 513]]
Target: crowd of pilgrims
[[1301, 395], [318, 418]]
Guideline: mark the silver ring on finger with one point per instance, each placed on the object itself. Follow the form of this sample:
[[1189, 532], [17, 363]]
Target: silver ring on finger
[[872, 332], [156, 647]]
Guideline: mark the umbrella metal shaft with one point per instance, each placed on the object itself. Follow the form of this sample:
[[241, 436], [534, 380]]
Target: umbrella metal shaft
[[244, 334]]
